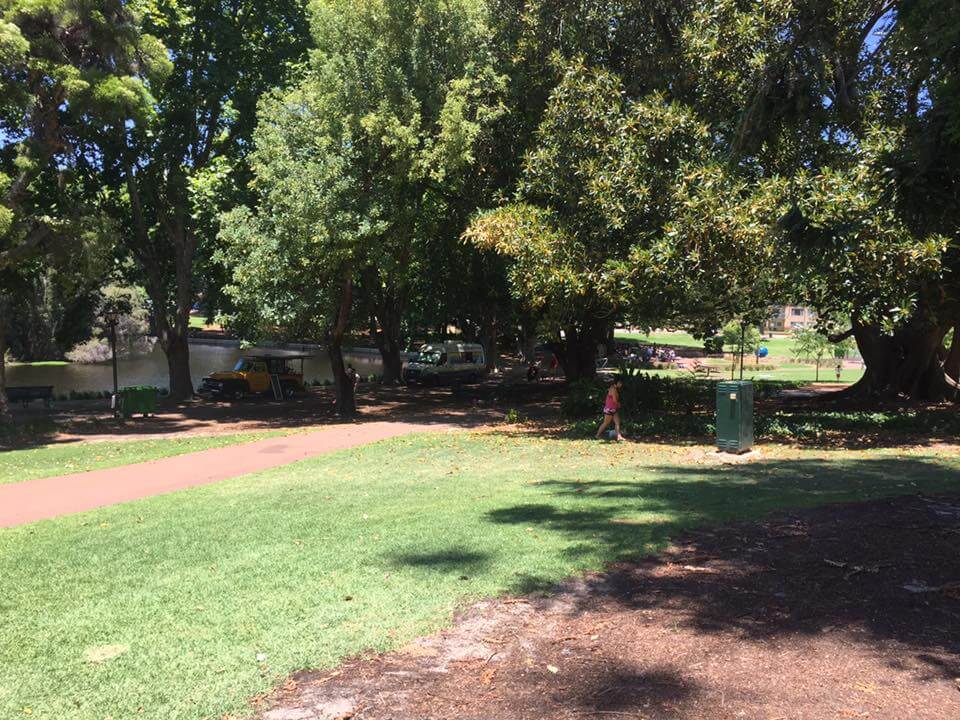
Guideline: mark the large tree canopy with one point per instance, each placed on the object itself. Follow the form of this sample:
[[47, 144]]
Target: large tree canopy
[[652, 161], [179, 167], [824, 170], [67, 68], [357, 167]]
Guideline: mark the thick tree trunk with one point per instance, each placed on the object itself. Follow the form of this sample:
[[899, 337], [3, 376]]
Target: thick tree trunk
[[385, 328], [488, 339], [177, 349], [577, 353], [389, 347], [346, 399], [611, 342], [905, 364], [951, 365], [343, 383], [173, 339], [171, 325], [5, 416]]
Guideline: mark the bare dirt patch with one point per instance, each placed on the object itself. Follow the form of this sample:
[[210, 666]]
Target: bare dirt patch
[[848, 611]]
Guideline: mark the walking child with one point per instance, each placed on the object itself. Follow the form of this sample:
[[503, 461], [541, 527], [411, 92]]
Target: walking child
[[611, 410]]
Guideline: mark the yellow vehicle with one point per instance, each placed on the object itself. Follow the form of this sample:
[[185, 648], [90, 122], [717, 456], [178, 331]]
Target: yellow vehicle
[[255, 375]]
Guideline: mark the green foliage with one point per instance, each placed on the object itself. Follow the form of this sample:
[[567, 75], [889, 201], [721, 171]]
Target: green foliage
[[356, 164], [713, 344], [734, 330], [127, 309], [810, 344], [597, 182], [642, 393]]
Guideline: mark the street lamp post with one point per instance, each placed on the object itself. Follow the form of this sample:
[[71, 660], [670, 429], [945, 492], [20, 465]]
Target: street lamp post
[[113, 309]]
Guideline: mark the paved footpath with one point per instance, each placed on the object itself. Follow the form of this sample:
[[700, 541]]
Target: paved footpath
[[34, 500]]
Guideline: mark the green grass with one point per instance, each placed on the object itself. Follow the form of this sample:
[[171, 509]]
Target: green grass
[[69, 458], [364, 549], [199, 322], [779, 345], [786, 373], [44, 363]]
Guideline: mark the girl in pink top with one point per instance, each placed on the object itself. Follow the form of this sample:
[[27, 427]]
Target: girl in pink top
[[611, 410]]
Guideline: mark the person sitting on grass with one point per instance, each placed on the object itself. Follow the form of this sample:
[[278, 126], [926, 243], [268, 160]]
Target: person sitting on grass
[[611, 410]]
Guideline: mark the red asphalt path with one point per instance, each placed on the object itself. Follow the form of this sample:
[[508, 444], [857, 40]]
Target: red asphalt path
[[33, 500]]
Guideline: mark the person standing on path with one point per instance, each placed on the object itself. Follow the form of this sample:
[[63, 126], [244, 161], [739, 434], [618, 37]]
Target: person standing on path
[[611, 410]]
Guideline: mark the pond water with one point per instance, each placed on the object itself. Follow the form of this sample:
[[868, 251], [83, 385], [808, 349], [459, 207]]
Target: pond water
[[205, 358]]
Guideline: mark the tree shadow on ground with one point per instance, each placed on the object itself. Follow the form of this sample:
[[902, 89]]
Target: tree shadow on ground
[[472, 405], [452, 561], [885, 570]]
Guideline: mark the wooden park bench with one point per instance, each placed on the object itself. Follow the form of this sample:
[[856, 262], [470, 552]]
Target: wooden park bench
[[701, 371], [28, 394]]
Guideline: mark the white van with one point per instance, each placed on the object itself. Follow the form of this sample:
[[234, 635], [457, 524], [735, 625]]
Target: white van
[[447, 362]]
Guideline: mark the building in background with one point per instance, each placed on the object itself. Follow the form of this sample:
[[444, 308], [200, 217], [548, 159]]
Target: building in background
[[786, 318]]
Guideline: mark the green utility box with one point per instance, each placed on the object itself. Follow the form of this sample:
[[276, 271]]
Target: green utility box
[[735, 416], [138, 400]]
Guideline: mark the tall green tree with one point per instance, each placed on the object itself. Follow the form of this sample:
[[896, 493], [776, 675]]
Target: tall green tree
[[361, 165], [596, 186], [810, 344], [853, 103], [183, 164], [67, 68]]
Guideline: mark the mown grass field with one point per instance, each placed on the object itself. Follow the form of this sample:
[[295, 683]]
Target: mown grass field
[[185, 605], [779, 365], [779, 345], [787, 373], [69, 458]]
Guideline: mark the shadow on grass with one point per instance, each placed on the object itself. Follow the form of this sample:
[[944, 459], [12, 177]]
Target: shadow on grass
[[886, 569], [452, 561]]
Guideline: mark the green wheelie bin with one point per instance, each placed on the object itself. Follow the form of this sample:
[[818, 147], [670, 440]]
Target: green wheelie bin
[[139, 400]]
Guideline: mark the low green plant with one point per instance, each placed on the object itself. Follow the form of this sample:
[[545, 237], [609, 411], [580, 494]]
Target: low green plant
[[515, 417]]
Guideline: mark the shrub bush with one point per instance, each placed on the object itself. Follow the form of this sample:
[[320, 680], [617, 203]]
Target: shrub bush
[[641, 393], [713, 345]]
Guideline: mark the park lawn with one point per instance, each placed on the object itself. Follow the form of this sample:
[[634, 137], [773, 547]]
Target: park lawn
[[185, 605], [69, 458], [784, 373], [779, 346], [199, 322]]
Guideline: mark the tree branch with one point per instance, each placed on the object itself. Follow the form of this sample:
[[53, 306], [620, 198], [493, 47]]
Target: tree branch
[[840, 337], [37, 236]]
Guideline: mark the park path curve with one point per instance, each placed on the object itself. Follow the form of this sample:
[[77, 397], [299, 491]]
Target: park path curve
[[33, 500]]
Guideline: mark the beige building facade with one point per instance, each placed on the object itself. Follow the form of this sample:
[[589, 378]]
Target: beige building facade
[[786, 318]]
